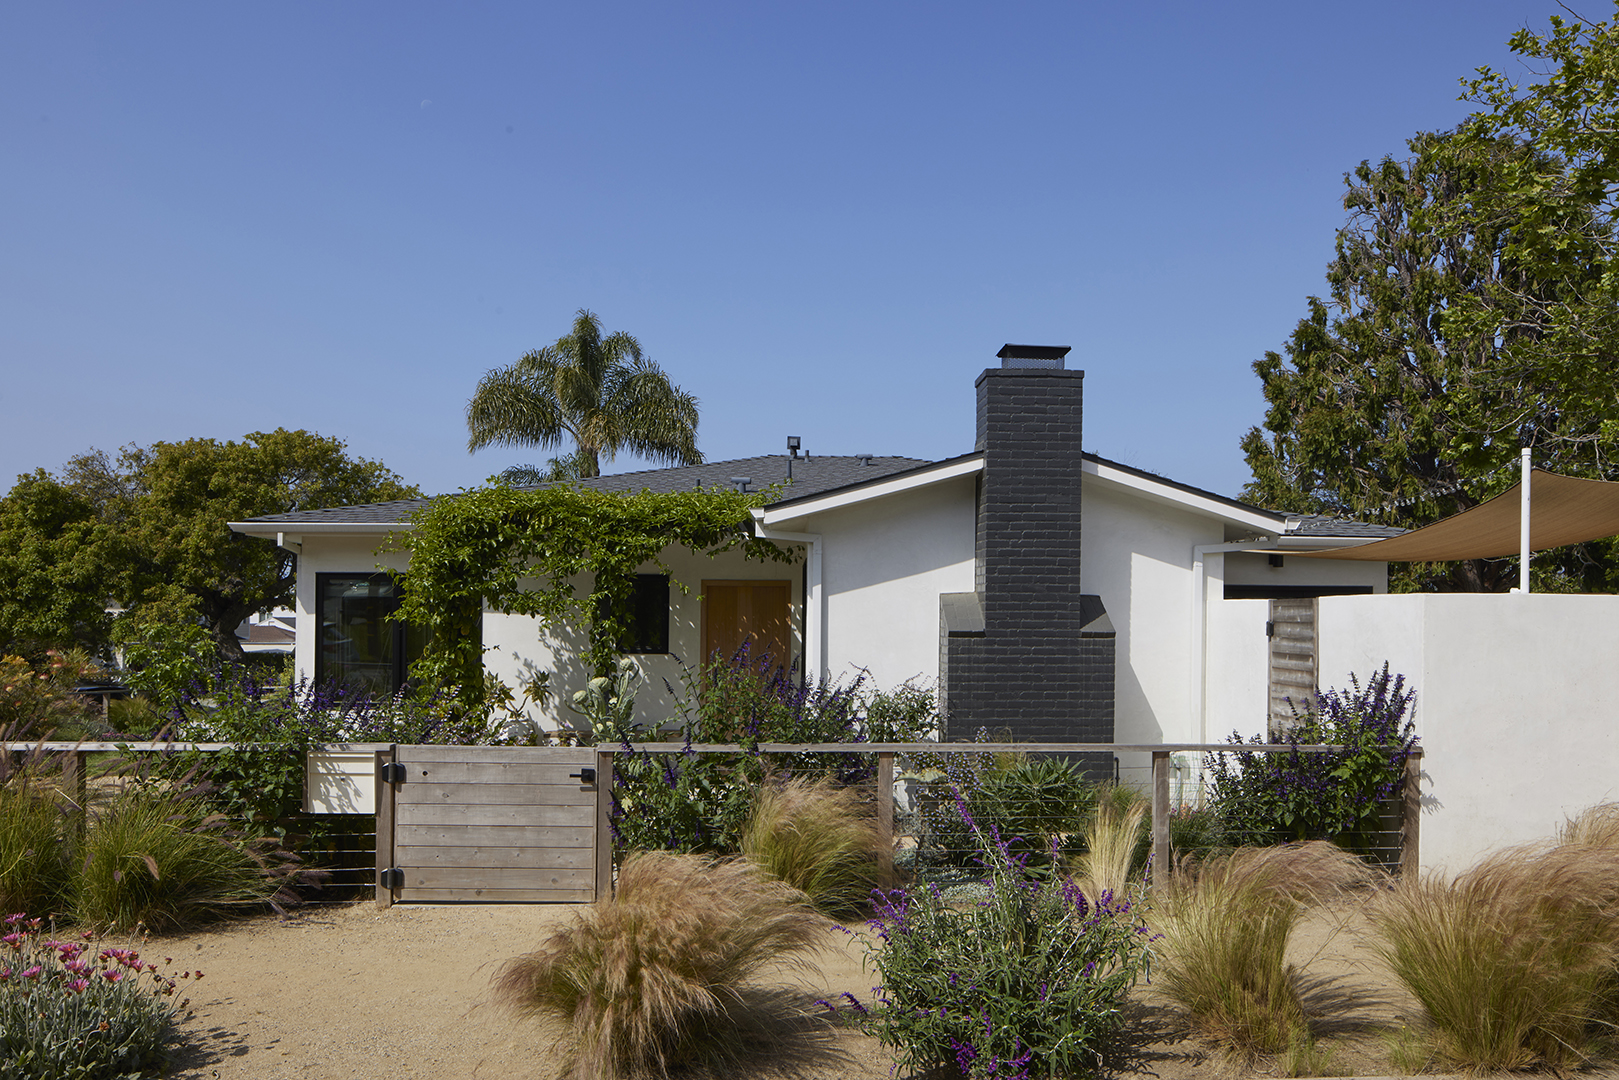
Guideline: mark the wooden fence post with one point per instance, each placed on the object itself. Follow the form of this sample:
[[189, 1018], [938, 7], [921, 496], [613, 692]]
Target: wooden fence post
[[1411, 817], [385, 826], [1160, 816], [604, 825], [885, 819]]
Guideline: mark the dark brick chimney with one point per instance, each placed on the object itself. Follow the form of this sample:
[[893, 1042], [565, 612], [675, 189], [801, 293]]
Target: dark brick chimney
[[1026, 654]]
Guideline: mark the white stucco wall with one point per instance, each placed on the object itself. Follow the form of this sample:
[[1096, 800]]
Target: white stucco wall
[[1137, 556], [883, 565], [517, 646], [1237, 696], [1516, 697], [332, 555]]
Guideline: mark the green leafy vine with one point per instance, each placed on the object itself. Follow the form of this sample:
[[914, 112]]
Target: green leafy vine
[[532, 553]]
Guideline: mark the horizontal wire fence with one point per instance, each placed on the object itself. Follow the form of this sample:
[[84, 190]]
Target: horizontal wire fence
[[926, 838], [339, 848], [913, 786]]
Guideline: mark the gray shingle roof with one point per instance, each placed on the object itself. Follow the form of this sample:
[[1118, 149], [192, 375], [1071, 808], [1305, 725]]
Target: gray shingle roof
[[811, 476], [1321, 525]]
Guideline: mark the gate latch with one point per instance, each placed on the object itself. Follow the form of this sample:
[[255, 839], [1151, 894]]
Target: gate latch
[[393, 772], [391, 878], [585, 775]]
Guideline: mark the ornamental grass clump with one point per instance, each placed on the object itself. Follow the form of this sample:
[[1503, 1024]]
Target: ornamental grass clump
[[1029, 981], [72, 1011], [1513, 960], [816, 836], [657, 977], [1225, 928], [1111, 838], [34, 861], [160, 858]]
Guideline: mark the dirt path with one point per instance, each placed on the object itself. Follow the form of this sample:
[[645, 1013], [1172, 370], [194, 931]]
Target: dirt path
[[345, 992]]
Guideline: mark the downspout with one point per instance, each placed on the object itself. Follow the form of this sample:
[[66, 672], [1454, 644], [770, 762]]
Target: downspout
[[814, 599], [1198, 690]]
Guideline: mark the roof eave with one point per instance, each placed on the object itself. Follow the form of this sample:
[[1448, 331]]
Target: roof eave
[[1169, 494]]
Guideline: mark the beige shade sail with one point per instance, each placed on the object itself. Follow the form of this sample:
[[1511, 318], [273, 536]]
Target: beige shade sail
[[1562, 510]]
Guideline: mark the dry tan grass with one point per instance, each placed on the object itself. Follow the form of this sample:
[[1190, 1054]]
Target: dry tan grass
[[657, 977], [1225, 927], [1514, 959], [1110, 842], [1597, 826], [817, 837]]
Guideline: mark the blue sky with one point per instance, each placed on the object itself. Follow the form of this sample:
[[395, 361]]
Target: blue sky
[[822, 220]]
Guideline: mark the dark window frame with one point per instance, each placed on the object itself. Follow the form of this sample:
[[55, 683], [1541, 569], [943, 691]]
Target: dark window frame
[[648, 632], [400, 658]]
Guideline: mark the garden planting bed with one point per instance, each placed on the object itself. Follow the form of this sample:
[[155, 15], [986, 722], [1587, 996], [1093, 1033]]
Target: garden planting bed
[[346, 991]]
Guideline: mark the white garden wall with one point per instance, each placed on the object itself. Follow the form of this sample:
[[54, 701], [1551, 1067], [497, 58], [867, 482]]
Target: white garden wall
[[1516, 703]]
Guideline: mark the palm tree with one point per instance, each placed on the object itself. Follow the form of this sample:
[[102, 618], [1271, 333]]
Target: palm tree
[[598, 391]]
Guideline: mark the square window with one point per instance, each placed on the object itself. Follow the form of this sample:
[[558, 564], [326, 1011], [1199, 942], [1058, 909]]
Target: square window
[[647, 624]]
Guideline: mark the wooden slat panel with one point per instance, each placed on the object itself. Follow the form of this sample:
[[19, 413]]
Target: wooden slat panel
[[496, 896], [515, 755], [492, 835], [490, 772], [413, 794], [434, 877], [434, 814], [518, 858]]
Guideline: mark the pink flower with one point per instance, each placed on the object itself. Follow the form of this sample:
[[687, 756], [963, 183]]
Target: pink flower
[[77, 967], [78, 986], [12, 920], [112, 976], [32, 972], [14, 940], [5, 973]]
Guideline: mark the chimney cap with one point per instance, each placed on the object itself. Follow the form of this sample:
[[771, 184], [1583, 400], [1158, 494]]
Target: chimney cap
[[1034, 352]]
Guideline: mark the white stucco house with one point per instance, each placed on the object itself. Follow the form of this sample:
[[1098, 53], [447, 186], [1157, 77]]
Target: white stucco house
[[1045, 590]]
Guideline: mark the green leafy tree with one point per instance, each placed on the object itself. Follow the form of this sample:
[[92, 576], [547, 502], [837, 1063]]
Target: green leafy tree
[[56, 568], [600, 392], [147, 531], [1447, 342]]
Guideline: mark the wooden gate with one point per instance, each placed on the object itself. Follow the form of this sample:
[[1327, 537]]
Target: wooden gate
[[492, 824], [1292, 674]]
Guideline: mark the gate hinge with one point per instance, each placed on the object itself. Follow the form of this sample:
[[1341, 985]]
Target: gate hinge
[[393, 772], [1270, 629], [391, 878]]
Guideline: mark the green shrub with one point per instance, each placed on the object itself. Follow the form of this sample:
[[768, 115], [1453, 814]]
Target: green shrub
[[163, 859], [1271, 798], [653, 978], [699, 802], [817, 837], [1033, 973], [1225, 928], [70, 1011], [1514, 959], [1030, 802]]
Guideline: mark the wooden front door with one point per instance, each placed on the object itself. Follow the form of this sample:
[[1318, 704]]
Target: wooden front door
[[758, 613]]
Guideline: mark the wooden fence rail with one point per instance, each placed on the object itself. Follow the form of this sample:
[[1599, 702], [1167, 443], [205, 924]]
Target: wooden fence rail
[[74, 777]]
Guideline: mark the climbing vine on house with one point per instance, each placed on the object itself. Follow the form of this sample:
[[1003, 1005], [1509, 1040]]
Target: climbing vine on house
[[537, 552]]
